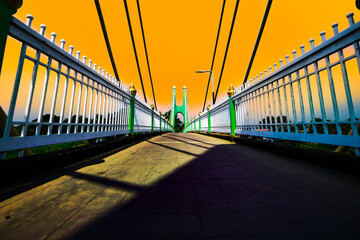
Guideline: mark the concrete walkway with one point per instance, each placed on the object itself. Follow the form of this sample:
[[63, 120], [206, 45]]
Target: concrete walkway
[[187, 186]]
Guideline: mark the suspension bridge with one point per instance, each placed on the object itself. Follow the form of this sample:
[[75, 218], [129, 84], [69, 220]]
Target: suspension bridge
[[228, 175]]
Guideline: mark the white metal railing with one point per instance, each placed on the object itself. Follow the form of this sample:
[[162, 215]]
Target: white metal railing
[[78, 100], [314, 98]]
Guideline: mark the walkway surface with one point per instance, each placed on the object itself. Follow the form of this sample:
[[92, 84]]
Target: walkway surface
[[187, 186]]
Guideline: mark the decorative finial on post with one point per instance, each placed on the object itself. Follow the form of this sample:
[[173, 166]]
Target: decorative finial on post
[[302, 47], [281, 62], [199, 114], [287, 59], [53, 36], [42, 29], [71, 49], [152, 106], [84, 59], [231, 91], [29, 19], [312, 43], [160, 113], [350, 17], [208, 107], [133, 91], [294, 54], [90, 62], [62, 45], [335, 28], [323, 38]]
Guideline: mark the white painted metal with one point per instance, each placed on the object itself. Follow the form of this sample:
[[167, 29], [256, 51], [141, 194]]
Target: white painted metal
[[100, 109], [282, 103]]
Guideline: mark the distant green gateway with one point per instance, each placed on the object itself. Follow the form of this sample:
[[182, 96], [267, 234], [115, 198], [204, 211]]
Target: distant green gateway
[[179, 109]]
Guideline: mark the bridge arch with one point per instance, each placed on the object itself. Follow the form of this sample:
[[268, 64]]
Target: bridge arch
[[179, 109]]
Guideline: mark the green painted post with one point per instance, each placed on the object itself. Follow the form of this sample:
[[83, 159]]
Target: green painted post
[[232, 110], [199, 122], [152, 118], [160, 121], [209, 122], [132, 109], [7, 9]]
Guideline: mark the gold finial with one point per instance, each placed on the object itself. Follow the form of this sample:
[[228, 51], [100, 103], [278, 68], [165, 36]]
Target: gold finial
[[199, 113], [132, 89], [152, 106], [160, 113], [231, 91], [208, 107]]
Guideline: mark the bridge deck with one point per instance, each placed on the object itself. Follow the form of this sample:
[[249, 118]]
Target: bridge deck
[[187, 186]]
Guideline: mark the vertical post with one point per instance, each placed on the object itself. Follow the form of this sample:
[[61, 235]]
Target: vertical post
[[132, 109], [209, 122], [160, 121], [230, 93], [199, 122], [152, 118], [7, 9]]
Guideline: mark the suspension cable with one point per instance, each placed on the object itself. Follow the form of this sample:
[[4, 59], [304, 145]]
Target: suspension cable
[[212, 63], [134, 47], [146, 53], [268, 6], [227, 47], [102, 22]]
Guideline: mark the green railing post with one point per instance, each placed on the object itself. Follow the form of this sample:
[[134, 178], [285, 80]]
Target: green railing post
[[160, 122], [199, 122], [132, 109], [152, 118], [208, 115], [7, 9], [230, 93]]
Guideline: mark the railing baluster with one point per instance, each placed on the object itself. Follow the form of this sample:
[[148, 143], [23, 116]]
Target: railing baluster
[[279, 105], [32, 86], [286, 104], [72, 94], [55, 92], [332, 88]]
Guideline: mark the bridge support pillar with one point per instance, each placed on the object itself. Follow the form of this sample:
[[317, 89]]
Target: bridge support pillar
[[230, 93], [132, 109], [7, 9]]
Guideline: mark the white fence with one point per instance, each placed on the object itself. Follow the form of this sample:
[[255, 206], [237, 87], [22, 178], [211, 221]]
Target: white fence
[[314, 98], [82, 101]]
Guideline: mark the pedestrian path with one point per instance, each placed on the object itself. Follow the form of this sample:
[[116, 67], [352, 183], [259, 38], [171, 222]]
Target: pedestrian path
[[187, 186]]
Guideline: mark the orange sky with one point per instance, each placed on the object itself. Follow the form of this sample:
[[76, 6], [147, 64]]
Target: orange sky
[[181, 36]]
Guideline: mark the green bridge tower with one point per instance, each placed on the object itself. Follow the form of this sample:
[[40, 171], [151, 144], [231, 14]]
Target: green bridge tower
[[179, 109]]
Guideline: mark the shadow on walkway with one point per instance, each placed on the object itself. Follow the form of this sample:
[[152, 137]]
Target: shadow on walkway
[[228, 192]]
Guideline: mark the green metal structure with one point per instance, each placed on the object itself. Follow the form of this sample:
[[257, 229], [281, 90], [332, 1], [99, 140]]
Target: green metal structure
[[179, 109]]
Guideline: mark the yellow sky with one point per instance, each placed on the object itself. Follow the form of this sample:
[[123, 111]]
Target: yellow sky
[[181, 36]]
